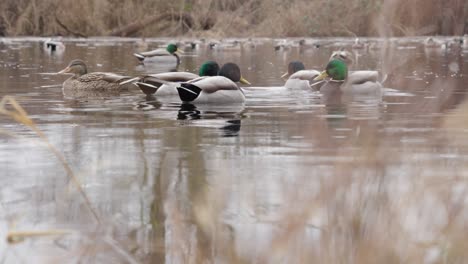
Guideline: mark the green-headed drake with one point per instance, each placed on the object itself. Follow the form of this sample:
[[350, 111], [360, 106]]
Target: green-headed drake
[[83, 83], [298, 76], [215, 89], [169, 54], [150, 84], [356, 82]]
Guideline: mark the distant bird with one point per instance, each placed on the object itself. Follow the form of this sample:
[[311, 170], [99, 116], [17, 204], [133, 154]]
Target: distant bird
[[53, 46], [299, 77], [344, 56], [169, 54], [86, 84], [431, 43], [225, 46], [358, 44], [150, 84]]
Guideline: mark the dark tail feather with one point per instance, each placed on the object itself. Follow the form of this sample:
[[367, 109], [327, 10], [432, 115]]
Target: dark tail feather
[[188, 92], [147, 88]]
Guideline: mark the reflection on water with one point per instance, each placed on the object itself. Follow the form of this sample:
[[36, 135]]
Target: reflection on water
[[287, 177]]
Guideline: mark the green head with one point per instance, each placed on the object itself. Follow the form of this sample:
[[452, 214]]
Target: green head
[[209, 68], [171, 48], [336, 70]]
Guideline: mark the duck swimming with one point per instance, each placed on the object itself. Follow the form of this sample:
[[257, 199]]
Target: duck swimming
[[83, 83], [161, 55], [299, 77], [150, 84], [215, 89], [356, 82]]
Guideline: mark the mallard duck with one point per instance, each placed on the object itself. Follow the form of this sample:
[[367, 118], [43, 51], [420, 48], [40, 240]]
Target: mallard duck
[[357, 82], [171, 51], [299, 77], [53, 46], [83, 83], [343, 55], [431, 43], [225, 45], [215, 89], [149, 84]]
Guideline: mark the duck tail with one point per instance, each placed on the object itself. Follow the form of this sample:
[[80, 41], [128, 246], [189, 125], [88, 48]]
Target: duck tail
[[139, 56], [188, 92], [150, 84]]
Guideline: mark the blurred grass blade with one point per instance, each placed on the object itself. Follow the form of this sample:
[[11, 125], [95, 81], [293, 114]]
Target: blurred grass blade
[[19, 115]]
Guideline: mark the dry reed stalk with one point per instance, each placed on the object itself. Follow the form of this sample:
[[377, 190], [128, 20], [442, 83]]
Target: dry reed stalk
[[20, 116]]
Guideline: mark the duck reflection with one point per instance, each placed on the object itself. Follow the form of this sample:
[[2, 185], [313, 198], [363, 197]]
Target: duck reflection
[[225, 118]]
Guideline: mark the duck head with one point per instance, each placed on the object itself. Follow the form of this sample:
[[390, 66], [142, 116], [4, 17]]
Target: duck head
[[293, 66], [343, 55], [173, 49], [77, 67], [232, 71], [336, 70], [209, 68]]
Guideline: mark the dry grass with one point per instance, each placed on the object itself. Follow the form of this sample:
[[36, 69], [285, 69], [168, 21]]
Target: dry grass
[[225, 18]]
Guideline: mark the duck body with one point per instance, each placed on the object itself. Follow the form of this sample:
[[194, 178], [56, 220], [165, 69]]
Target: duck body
[[168, 55], [356, 82], [221, 89], [299, 77], [151, 84], [54, 46], [214, 89], [302, 79], [86, 84]]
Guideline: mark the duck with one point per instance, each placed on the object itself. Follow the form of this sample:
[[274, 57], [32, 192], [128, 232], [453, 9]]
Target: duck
[[431, 43], [149, 84], [343, 55], [298, 76], [54, 46], [356, 82], [82, 83], [358, 44], [215, 89], [171, 51]]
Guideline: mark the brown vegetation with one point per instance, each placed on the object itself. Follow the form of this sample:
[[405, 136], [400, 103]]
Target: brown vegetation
[[225, 18]]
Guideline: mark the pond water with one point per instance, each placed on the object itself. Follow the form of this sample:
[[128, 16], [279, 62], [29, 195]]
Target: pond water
[[284, 178]]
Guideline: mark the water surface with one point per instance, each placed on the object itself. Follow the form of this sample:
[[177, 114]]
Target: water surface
[[258, 182]]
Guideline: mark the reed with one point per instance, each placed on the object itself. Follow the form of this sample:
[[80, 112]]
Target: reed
[[225, 18]]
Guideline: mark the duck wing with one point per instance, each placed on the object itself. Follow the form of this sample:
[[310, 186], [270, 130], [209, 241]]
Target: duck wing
[[360, 77], [151, 53], [102, 76], [308, 75], [149, 84], [214, 83]]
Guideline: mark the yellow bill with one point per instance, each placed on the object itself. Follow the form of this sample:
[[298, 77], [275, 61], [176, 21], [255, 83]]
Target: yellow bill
[[322, 76], [285, 75], [244, 81], [179, 51]]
